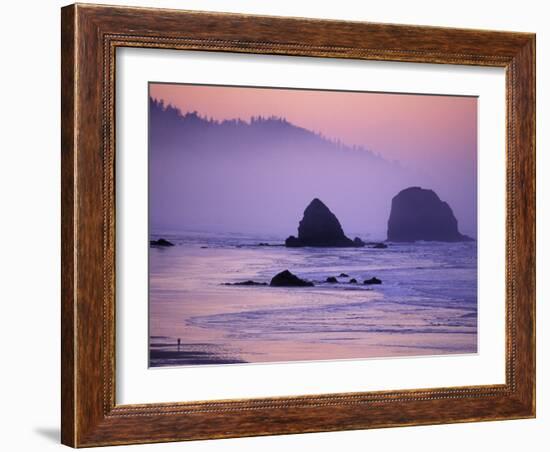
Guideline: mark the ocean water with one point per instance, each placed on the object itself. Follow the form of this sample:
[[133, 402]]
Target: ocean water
[[426, 304]]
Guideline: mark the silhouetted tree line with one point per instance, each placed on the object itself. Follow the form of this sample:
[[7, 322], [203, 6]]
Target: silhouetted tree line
[[167, 113]]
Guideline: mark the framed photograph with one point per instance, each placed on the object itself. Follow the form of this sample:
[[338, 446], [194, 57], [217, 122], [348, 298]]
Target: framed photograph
[[282, 225]]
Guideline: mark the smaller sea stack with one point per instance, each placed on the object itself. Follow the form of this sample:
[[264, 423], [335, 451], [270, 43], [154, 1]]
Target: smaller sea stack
[[319, 227]]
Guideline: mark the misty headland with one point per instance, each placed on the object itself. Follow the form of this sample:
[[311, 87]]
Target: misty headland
[[258, 176]]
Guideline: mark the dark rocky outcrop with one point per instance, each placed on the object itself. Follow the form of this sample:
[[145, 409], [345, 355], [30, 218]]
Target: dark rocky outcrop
[[246, 283], [161, 242], [373, 280], [293, 242], [379, 246], [320, 227], [331, 279], [353, 281], [287, 279], [419, 214], [344, 275]]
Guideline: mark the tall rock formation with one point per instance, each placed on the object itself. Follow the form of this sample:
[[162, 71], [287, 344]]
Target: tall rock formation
[[320, 227]]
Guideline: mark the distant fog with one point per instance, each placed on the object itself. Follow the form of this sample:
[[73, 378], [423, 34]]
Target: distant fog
[[257, 177]]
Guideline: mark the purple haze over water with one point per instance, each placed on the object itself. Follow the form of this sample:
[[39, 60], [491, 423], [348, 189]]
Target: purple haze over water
[[426, 305]]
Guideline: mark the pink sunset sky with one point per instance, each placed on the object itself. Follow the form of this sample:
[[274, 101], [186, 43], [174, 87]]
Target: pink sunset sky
[[414, 129]]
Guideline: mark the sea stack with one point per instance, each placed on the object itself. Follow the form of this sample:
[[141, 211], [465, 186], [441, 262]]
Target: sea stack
[[320, 227], [419, 214]]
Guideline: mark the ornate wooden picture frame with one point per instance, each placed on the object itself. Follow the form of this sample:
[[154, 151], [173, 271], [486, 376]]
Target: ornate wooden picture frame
[[90, 37]]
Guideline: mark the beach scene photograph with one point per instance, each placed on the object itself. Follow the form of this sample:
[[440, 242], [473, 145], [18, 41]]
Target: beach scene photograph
[[291, 225]]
